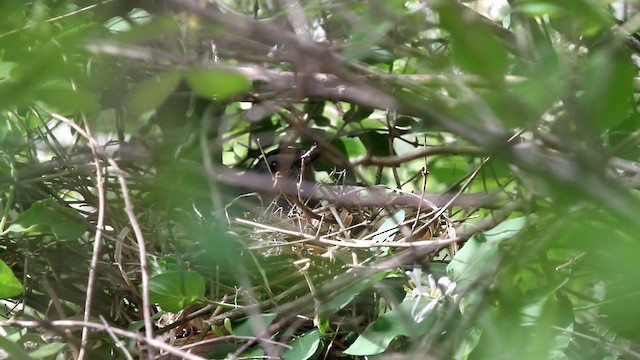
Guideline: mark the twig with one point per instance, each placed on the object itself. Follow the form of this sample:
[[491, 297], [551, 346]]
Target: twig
[[128, 207], [128, 334]]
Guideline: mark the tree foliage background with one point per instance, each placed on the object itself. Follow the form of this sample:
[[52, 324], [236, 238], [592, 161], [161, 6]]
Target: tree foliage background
[[476, 194]]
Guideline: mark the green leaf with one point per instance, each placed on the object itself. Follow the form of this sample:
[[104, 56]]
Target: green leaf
[[15, 351], [473, 45], [63, 98], [537, 9], [481, 252], [49, 217], [303, 347], [175, 290], [9, 283], [219, 84], [608, 88], [150, 93], [390, 227], [378, 335], [138, 325], [375, 142], [47, 350], [253, 325], [343, 298], [159, 265]]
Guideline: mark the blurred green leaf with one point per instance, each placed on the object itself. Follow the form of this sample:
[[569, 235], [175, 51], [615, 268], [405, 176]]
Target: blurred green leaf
[[219, 84], [608, 88], [9, 285], [48, 216], [149, 94], [253, 325], [481, 252], [389, 227], [343, 298], [139, 325], [63, 98], [303, 346], [150, 29], [15, 351], [474, 47], [532, 8], [378, 335], [48, 350], [175, 290]]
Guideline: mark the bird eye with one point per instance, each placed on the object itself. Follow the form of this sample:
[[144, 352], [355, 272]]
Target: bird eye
[[273, 165]]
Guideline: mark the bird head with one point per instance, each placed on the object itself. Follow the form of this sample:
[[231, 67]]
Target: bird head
[[289, 163]]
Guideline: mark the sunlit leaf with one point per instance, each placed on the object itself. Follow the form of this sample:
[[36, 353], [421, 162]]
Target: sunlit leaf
[[9, 285], [219, 84]]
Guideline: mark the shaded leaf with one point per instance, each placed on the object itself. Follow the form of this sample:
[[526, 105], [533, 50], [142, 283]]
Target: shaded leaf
[[15, 351], [378, 335], [48, 216], [303, 347], [608, 88], [175, 290], [474, 47], [150, 93], [47, 350], [253, 325], [342, 299]]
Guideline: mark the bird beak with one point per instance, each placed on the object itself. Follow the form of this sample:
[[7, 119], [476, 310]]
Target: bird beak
[[311, 155]]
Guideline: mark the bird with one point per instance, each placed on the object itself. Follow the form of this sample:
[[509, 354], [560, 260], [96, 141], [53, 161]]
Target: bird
[[293, 163], [292, 172]]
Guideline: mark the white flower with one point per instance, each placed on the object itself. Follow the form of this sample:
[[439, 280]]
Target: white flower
[[434, 292]]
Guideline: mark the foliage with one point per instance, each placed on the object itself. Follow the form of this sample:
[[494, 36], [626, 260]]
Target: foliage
[[476, 193]]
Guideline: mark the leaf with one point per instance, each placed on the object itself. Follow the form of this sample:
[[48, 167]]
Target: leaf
[[15, 351], [9, 284], [139, 325], [150, 93], [253, 325], [219, 84], [159, 265], [303, 347], [390, 227], [375, 142], [343, 298], [47, 350], [378, 335], [48, 216], [608, 88], [175, 290], [481, 252], [64, 98], [474, 47]]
